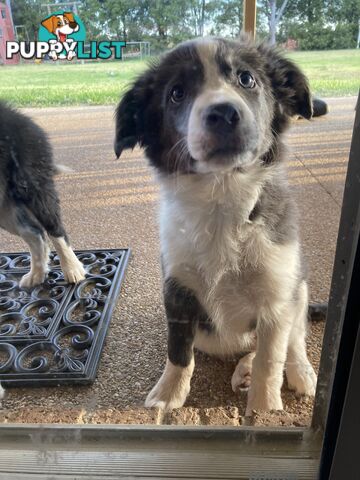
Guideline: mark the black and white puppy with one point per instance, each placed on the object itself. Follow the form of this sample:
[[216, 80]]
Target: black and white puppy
[[210, 116], [29, 204]]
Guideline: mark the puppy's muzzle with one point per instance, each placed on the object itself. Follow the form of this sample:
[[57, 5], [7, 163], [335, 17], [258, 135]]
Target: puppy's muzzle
[[221, 119]]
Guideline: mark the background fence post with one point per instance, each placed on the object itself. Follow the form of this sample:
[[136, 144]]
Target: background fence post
[[250, 17]]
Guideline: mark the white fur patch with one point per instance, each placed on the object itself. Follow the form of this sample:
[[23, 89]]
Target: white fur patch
[[172, 388], [209, 245], [2, 392], [72, 268], [300, 374], [241, 378]]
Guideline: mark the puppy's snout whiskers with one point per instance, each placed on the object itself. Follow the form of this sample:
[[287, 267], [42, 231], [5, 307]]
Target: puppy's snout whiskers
[[177, 156]]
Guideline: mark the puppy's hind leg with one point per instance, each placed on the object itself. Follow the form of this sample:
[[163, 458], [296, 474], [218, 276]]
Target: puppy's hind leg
[[34, 235], [241, 378], [71, 266], [47, 207], [183, 312]]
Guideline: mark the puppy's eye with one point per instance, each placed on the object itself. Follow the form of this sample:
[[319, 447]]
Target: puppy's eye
[[246, 80], [177, 94]]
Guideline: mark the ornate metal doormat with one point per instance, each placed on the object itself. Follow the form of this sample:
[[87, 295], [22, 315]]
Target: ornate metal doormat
[[53, 334]]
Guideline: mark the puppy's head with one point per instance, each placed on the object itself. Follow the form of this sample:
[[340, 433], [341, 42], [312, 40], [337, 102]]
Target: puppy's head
[[61, 24], [211, 105]]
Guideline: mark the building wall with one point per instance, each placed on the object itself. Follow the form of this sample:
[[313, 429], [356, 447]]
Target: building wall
[[6, 34]]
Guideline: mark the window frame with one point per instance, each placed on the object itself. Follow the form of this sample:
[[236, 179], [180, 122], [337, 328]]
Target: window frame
[[124, 451]]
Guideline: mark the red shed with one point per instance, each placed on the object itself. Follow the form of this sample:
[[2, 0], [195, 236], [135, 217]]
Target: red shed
[[6, 33]]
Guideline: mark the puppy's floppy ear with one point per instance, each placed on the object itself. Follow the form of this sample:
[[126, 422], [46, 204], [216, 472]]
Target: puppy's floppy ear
[[49, 24], [130, 114], [69, 16], [126, 130], [290, 86]]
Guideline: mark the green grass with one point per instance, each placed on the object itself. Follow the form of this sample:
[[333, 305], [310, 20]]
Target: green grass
[[55, 84], [331, 73]]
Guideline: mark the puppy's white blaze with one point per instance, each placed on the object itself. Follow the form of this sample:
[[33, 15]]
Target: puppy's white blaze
[[72, 268], [206, 50], [215, 90], [172, 388]]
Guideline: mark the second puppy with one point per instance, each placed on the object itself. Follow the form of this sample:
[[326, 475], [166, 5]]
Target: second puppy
[[29, 204]]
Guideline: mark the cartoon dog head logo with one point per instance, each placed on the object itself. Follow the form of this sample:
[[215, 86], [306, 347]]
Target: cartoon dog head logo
[[61, 36], [61, 25], [62, 28]]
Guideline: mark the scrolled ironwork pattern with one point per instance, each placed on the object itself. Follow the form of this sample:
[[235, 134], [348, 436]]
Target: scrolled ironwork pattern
[[54, 333]]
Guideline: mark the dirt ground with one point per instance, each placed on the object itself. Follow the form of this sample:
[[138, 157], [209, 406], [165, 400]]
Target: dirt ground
[[112, 204]]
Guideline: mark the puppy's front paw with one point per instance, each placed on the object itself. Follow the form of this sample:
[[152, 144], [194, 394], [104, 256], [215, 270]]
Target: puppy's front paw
[[168, 396], [263, 399], [301, 378], [74, 273], [32, 279]]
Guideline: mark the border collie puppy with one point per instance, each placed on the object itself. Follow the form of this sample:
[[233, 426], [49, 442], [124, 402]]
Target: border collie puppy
[[211, 116], [29, 204]]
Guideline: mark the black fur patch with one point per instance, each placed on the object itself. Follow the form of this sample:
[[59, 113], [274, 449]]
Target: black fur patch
[[277, 210], [27, 171], [147, 116], [184, 315]]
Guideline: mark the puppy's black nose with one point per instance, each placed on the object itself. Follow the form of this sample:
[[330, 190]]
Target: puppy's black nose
[[222, 118], [73, 24]]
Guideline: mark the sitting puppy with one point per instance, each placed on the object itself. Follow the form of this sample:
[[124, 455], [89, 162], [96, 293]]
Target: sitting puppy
[[29, 205], [211, 115]]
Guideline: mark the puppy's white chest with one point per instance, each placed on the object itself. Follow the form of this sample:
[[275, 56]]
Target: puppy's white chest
[[210, 246], [204, 225]]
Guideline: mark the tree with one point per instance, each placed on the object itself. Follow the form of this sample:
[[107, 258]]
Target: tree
[[29, 14], [197, 12], [228, 17], [346, 12], [111, 18], [274, 15], [322, 24]]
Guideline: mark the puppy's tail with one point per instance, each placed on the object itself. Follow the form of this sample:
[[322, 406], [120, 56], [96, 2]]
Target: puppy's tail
[[317, 311], [319, 107], [60, 169]]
